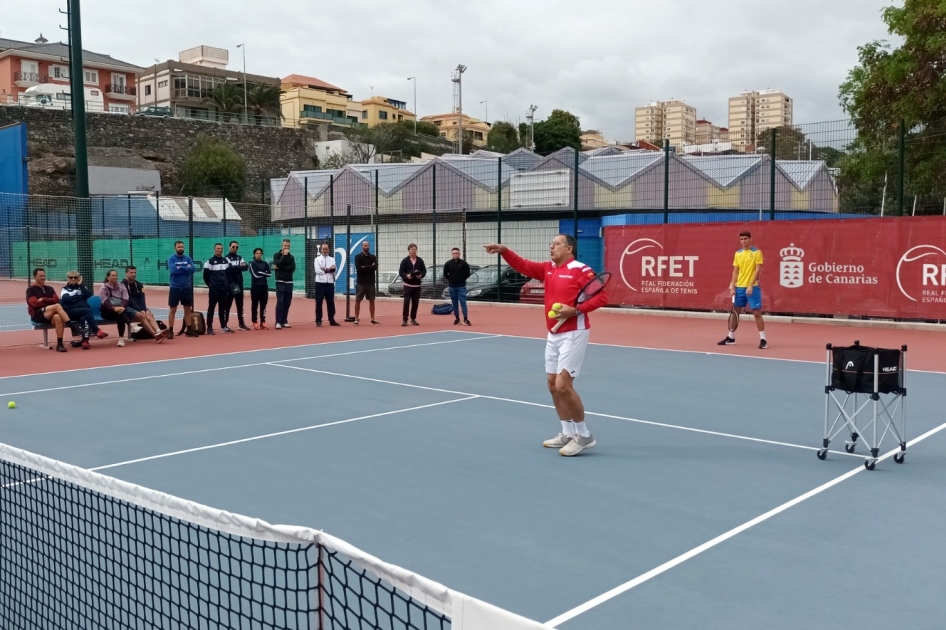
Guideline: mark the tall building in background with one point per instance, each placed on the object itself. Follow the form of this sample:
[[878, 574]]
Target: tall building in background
[[752, 113], [666, 120]]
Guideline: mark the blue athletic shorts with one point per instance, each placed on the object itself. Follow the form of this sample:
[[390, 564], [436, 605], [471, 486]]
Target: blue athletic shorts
[[754, 301], [181, 296]]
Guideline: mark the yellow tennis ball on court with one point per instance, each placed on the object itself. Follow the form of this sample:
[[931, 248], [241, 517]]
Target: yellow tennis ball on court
[[557, 306], [552, 314], [11, 405]]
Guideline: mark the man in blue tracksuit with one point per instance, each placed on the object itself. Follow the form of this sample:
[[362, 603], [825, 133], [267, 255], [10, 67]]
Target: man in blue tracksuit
[[181, 283], [215, 277]]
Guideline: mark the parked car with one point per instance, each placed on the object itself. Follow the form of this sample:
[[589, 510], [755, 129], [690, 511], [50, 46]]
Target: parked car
[[533, 292], [385, 279], [482, 284], [154, 110], [428, 290]]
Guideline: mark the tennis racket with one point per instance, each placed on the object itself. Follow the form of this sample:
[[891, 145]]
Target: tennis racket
[[592, 288]]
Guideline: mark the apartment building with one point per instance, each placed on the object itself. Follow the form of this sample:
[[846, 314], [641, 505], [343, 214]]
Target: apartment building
[[186, 85], [449, 126], [707, 132], [109, 83], [308, 99], [755, 112], [380, 109], [671, 120]]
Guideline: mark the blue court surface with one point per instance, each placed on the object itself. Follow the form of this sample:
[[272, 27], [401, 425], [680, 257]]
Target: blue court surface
[[703, 505]]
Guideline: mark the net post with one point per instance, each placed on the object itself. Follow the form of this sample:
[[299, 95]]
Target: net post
[[348, 262], [499, 223], [320, 563]]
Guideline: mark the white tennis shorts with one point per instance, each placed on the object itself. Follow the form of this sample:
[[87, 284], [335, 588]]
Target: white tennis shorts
[[566, 351]]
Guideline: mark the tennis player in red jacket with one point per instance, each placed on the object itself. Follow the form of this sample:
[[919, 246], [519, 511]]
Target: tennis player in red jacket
[[564, 277]]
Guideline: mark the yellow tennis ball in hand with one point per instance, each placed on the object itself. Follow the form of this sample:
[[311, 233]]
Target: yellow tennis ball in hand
[[552, 314], [557, 306], [11, 405]]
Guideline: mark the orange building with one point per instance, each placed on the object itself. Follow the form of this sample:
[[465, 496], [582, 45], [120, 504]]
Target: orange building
[[109, 83]]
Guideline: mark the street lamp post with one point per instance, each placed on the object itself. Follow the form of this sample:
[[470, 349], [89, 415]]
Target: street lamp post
[[246, 116], [458, 79], [414, 79], [530, 116]]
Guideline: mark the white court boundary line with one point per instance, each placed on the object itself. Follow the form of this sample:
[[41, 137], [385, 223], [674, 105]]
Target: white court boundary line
[[234, 367], [644, 577], [278, 434], [227, 354], [547, 406]]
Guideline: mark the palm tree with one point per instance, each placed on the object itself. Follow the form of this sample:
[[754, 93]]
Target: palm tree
[[264, 100], [227, 99]]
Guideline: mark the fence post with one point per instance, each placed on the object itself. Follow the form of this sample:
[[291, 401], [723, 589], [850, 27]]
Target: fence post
[[224, 200], [499, 226], [190, 226], [434, 222], [305, 197], [377, 233], [575, 212], [348, 263], [774, 143], [666, 180], [131, 240], [901, 175], [157, 213]]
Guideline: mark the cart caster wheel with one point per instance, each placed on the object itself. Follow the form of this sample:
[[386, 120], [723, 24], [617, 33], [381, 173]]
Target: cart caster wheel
[[899, 457], [870, 464], [822, 454], [850, 446]]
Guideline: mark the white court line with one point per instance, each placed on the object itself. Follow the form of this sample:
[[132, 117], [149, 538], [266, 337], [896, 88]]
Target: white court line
[[644, 577], [546, 406], [277, 434], [226, 354], [234, 367], [704, 352]]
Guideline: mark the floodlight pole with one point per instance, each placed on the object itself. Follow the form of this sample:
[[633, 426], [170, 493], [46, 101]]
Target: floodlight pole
[[458, 79], [77, 90], [530, 116], [246, 116], [414, 79]]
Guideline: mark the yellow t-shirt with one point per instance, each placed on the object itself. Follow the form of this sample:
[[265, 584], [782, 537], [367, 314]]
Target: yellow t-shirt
[[747, 260]]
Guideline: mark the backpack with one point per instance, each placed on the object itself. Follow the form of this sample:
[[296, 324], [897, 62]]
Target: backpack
[[139, 332], [442, 309], [197, 324]]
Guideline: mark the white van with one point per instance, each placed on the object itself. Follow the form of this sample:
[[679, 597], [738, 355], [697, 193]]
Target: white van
[[54, 96]]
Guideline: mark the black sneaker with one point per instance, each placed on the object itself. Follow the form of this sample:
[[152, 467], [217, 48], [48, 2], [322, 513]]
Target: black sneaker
[[334, 324], [728, 341], [244, 327], [189, 333], [60, 348], [210, 331], [466, 322], [170, 335], [414, 322], [404, 323], [456, 322], [763, 344]]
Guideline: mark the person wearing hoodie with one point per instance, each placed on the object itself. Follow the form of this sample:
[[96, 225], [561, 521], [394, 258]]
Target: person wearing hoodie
[[235, 280], [284, 265], [215, 277], [74, 298], [181, 291], [259, 288]]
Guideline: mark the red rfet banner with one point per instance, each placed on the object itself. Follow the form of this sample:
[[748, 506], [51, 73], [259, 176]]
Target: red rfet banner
[[884, 267]]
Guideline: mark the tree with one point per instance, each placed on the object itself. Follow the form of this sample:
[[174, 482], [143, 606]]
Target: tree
[[561, 129], [426, 128], [213, 165], [790, 143], [525, 136], [907, 84], [227, 99], [502, 138], [264, 100]]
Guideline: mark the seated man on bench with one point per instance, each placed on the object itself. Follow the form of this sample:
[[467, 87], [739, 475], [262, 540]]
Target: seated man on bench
[[45, 310], [74, 298]]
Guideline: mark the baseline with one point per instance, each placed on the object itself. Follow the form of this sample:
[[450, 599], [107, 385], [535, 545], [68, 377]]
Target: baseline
[[230, 367], [644, 577]]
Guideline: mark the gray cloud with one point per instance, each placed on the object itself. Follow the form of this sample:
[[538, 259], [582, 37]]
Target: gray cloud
[[598, 59]]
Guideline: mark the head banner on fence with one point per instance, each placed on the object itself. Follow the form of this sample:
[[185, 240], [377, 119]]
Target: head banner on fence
[[875, 267]]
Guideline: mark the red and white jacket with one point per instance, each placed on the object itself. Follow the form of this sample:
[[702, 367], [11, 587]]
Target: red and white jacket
[[562, 285]]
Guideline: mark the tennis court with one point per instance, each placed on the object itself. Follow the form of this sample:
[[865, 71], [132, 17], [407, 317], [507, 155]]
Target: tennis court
[[703, 505]]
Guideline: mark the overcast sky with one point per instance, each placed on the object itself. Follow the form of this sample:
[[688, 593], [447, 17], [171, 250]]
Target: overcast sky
[[598, 59]]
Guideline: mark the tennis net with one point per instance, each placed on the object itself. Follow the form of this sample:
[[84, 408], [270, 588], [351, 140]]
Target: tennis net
[[80, 550]]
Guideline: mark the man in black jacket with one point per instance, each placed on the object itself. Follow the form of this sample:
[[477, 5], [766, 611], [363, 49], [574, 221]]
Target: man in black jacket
[[137, 301], [74, 299], [457, 271], [284, 266], [366, 267], [215, 277], [235, 282], [411, 272]]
